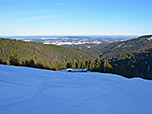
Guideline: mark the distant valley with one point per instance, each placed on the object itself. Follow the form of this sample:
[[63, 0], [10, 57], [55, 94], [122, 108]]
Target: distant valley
[[72, 40]]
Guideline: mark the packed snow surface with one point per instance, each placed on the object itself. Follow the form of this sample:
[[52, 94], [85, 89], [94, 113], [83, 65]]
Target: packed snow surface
[[35, 91]]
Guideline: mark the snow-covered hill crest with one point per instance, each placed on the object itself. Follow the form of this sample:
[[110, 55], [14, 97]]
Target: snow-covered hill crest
[[35, 91]]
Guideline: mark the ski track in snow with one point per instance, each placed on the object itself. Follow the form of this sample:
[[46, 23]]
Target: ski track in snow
[[35, 91]]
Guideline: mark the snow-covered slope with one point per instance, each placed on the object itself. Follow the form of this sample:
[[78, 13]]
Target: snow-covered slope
[[34, 91]]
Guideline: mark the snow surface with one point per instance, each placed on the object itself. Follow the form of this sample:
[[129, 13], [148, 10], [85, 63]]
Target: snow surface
[[35, 91]]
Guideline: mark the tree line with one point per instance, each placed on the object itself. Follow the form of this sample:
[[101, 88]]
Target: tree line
[[38, 55]]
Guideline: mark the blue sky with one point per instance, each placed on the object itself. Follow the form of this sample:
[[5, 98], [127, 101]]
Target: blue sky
[[75, 17]]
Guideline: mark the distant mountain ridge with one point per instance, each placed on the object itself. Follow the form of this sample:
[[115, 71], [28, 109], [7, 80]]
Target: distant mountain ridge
[[124, 47], [131, 58]]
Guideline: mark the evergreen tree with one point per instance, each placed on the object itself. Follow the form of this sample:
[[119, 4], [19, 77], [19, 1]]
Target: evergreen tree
[[79, 64], [13, 59], [30, 63], [68, 65], [107, 66]]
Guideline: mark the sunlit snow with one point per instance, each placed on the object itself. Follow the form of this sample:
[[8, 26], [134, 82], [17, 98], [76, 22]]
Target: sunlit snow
[[34, 91]]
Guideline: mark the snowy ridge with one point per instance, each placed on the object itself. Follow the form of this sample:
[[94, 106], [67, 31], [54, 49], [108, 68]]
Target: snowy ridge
[[150, 38], [35, 91], [72, 42]]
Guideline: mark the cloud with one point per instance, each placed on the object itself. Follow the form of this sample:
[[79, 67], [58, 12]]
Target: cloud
[[27, 19]]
